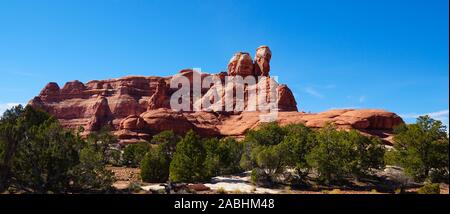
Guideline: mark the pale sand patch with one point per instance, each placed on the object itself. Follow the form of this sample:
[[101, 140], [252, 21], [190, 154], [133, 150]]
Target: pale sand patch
[[153, 187], [238, 183]]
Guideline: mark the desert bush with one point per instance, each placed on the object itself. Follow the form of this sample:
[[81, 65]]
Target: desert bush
[[188, 161], [237, 191], [268, 134], [339, 154], [37, 153], [272, 149], [298, 142], [369, 153], [221, 190], [134, 153], [40, 156], [232, 151], [257, 177], [90, 174], [103, 141], [114, 157], [168, 141], [263, 152], [134, 187], [11, 132], [222, 156], [245, 162], [270, 160], [44, 160], [422, 149], [155, 166], [430, 188], [335, 192], [213, 157]]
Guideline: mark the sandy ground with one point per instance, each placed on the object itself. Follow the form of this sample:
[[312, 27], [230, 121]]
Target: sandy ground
[[240, 183], [125, 176]]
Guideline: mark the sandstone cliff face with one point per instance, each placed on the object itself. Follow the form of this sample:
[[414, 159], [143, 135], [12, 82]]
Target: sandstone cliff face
[[136, 107], [375, 122]]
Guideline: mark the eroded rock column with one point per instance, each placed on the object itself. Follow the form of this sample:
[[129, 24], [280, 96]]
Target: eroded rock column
[[262, 61]]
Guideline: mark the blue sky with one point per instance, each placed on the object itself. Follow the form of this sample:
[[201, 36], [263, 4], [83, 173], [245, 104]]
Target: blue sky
[[332, 53]]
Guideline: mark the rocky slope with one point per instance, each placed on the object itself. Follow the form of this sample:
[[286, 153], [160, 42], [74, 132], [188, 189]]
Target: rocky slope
[[136, 107]]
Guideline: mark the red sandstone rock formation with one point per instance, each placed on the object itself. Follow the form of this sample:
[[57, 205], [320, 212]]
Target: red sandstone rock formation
[[241, 64], [137, 107], [286, 100], [262, 61]]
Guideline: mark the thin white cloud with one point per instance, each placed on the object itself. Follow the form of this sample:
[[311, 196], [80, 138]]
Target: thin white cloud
[[438, 114], [313, 92], [442, 115]]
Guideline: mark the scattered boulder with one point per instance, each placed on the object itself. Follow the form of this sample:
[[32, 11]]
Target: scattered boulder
[[133, 122], [165, 119], [198, 187]]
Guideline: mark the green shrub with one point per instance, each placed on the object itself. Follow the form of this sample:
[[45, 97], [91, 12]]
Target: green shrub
[[14, 126], [90, 174], [222, 156], [188, 161], [44, 160], [40, 156], [298, 143], [422, 148], [264, 153], [134, 153], [231, 151], [155, 166], [103, 141], [114, 157], [272, 149], [134, 187], [430, 188], [168, 141], [267, 134], [256, 177], [339, 154], [270, 161], [369, 153], [246, 162], [213, 155]]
